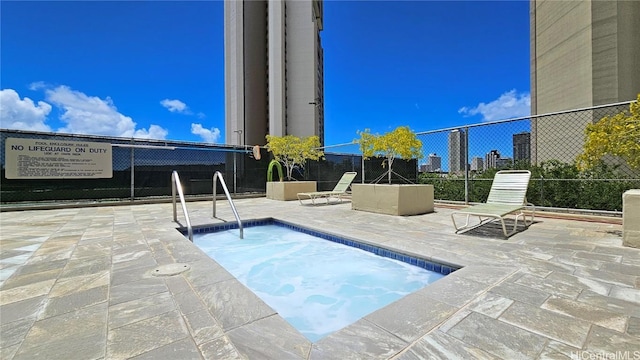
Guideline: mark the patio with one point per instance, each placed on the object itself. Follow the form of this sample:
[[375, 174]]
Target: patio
[[77, 283]]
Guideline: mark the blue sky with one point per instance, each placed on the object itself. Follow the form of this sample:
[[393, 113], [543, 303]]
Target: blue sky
[[155, 69]]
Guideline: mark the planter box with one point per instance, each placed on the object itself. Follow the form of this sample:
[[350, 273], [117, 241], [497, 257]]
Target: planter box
[[288, 190], [392, 199]]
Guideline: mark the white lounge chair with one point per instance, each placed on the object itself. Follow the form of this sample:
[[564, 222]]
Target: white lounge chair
[[337, 192], [508, 195]]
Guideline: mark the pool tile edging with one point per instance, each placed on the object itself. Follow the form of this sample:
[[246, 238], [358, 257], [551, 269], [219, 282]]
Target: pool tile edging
[[431, 265]]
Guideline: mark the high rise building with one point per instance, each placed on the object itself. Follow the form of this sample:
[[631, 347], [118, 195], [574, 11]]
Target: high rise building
[[522, 146], [491, 159], [434, 163], [583, 54], [457, 151], [274, 77], [477, 164]]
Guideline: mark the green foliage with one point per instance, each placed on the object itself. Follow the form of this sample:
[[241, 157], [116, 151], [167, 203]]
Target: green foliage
[[617, 135], [553, 184], [293, 151], [400, 143]]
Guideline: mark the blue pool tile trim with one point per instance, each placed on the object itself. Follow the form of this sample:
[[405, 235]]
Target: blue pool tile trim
[[419, 262]]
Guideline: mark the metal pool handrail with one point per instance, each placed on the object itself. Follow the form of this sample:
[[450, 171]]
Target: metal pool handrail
[[217, 175], [175, 183]]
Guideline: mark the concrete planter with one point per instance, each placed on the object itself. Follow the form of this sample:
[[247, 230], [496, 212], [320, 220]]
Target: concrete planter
[[392, 199], [630, 216], [288, 190]]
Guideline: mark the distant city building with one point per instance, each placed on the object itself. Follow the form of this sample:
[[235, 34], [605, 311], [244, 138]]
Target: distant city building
[[504, 163], [274, 72], [583, 54], [477, 164], [491, 159], [457, 151], [434, 163], [522, 147]]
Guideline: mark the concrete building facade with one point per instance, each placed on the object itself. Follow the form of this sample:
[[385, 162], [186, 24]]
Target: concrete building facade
[[274, 70], [457, 151], [583, 54]]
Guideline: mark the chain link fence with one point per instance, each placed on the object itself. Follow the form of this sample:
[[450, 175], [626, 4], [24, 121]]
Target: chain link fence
[[460, 162]]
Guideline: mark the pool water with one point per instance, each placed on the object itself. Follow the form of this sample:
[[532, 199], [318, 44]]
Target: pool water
[[318, 286]]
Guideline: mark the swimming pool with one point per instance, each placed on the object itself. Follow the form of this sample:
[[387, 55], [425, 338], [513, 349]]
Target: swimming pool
[[318, 286]]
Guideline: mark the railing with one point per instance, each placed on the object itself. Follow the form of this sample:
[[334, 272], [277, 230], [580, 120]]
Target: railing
[[217, 175], [175, 183]]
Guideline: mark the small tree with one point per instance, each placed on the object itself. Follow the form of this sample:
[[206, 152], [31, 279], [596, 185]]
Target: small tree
[[293, 151], [618, 135], [399, 143]]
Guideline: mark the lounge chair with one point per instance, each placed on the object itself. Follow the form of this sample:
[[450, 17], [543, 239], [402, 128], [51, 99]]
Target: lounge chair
[[339, 190], [508, 195]]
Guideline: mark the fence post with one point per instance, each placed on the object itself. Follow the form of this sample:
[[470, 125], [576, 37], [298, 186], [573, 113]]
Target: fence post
[[541, 190], [133, 171], [362, 168], [466, 165]]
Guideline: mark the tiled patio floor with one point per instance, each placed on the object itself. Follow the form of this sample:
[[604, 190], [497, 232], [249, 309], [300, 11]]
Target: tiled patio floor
[[79, 284]]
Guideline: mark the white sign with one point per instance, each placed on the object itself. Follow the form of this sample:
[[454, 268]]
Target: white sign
[[57, 159]]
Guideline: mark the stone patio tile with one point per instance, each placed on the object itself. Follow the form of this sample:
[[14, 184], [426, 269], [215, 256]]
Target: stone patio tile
[[577, 262], [412, 316], [625, 252], [136, 260], [498, 338], [8, 352], [553, 325], [206, 272], [140, 337], [21, 309], [126, 275], [490, 304], [203, 327], [233, 304], [625, 293], [220, 348], [40, 266], [181, 349], [550, 286], [622, 269], [454, 290], [270, 338], [31, 278], [558, 351], [86, 266], [599, 257], [177, 284], [438, 345], [633, 328], [75, 284], [26, 292], [613, 304], [486, 274], [136, 290], [92, 249], [12, 333], [140, 309], [75, 301], [74, 335], [583, 282], [608, 277], [189, 302], [360, 340], [519, 292], [603, 340], [590, 313]]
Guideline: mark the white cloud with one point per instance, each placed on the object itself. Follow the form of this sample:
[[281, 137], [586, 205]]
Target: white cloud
[[24, 114], [37, 85], [208, 135], [508, 105], [91, 115], [175, 106]]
